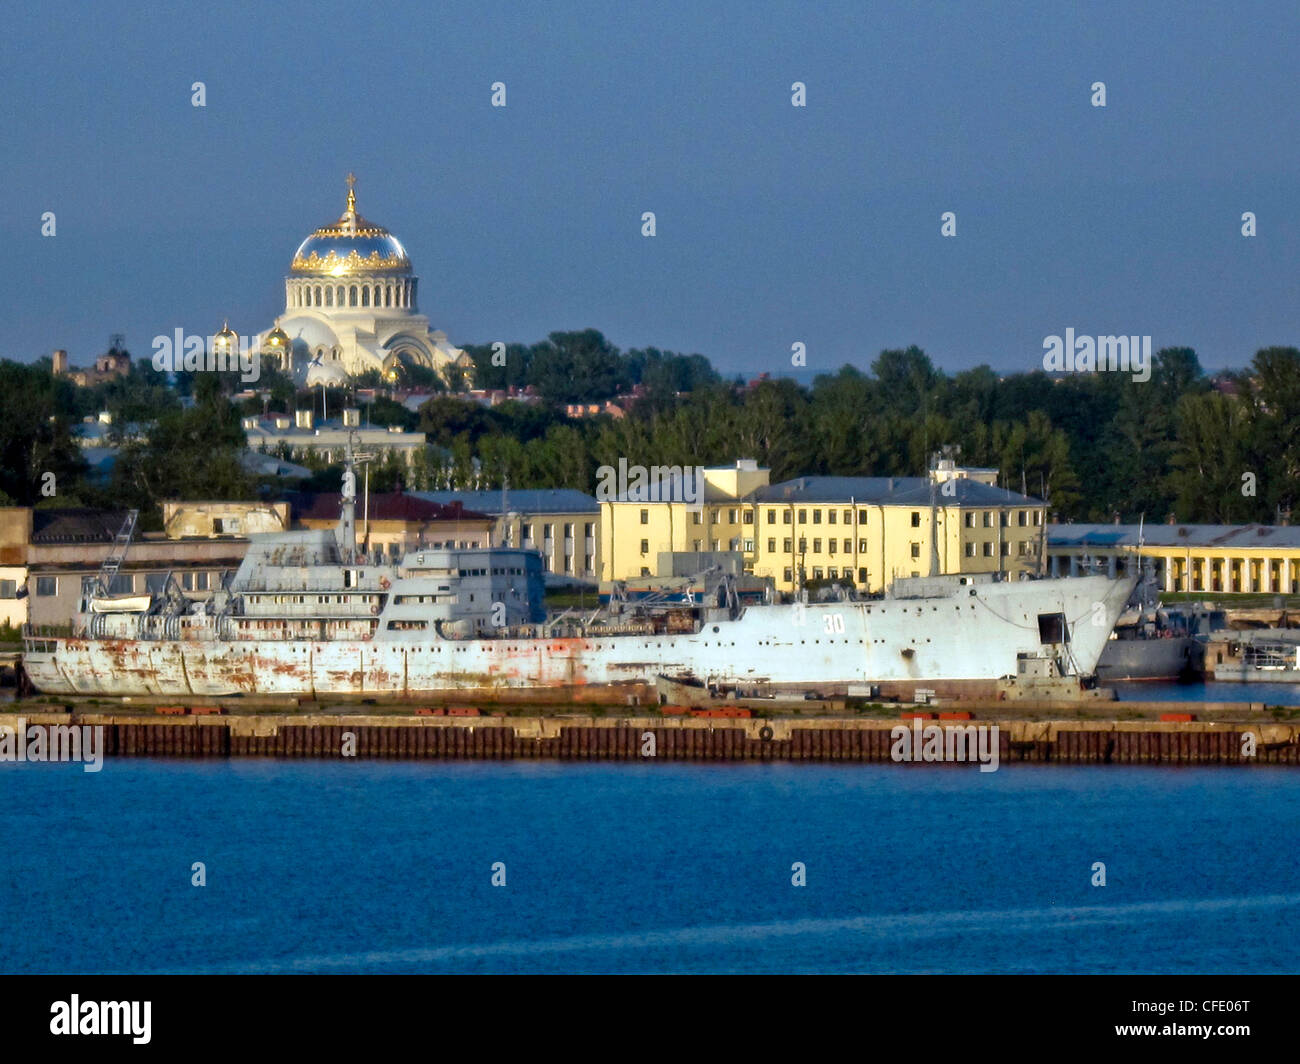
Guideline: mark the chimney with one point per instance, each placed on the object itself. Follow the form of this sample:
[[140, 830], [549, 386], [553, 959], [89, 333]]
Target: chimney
[[303, 418]]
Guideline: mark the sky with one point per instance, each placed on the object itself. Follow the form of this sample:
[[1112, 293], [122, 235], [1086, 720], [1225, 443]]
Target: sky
[[775, 224]]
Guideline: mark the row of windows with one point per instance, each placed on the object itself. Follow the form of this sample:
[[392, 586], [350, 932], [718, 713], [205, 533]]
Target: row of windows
[[832, 516], [830, 573], [1022, 518], [1022, 548], [588, 528], [379, 295]]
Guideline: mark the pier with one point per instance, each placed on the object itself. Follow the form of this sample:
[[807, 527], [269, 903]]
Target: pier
[[464, 735]]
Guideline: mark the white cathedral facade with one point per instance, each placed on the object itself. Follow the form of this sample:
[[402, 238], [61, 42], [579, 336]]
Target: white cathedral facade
[[351, 306]]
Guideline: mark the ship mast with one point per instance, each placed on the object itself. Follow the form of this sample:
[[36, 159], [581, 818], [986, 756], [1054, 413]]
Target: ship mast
[[348, 518]]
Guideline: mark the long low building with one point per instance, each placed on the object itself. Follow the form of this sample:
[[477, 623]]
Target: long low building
[[1230, 559]]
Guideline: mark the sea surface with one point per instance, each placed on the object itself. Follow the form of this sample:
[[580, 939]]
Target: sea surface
[[1272, 694], [374, 866]]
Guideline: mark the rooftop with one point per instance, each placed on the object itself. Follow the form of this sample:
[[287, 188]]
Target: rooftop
[[527, 501], [1256, 537], [383, 506], [893, 491]]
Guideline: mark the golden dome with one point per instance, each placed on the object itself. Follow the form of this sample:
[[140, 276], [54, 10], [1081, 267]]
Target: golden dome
[[352, 245], [277, 339]]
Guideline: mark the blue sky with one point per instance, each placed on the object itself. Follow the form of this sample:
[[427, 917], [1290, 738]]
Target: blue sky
[[775, 224]]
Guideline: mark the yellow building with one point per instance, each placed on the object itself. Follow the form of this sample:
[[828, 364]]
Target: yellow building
[[863, 530], [1227, 559]]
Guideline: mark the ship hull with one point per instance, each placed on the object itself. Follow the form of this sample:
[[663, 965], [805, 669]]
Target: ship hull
[[1150, 659], [954, 645]]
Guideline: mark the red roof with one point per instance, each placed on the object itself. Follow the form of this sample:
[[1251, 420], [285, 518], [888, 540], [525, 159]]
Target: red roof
[[385, 506]]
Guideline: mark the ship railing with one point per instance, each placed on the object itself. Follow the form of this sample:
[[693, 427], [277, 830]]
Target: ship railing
[[40, 638]]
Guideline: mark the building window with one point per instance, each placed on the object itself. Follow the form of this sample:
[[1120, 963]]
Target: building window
[[970, 550], [830, 546], [832, 573], [988, 550], [817, 546], [645, 546], [848, 546], [787, 545], [988, 518], [695, 545], [862, 577], [788, 574], [862, 546], [8, 589], [803, 546], [848, 517], [1022, 548], [771, 546], [568, 531], [717, 545], [547, 530], [528, 532], [123, 584], [817, 573], [645, 517], [771, 517], [830, 517], [695, 517], [1002, 518], [747, 517], [586, 563], [970, 518], [715, 518], [862, 517], [1022, 517], [645, 571], [1006, 550], [731, 517], [803, 517], [47, 585], [1038, 517], [154, 583], [786, 517], [749, 546], [817, 517], [916, 550], [916, 518]]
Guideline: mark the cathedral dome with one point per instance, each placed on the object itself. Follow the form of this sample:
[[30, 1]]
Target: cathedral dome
[[350, 246]]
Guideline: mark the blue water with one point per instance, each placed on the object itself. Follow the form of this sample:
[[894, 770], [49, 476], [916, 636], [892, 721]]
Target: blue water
[[386, 867], [1273, 694]]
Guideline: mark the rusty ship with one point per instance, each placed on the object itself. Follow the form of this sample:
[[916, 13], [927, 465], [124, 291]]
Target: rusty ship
[[308, 615]]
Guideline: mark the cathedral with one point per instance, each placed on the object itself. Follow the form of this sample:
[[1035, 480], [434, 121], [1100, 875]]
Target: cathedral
[[351, 306]]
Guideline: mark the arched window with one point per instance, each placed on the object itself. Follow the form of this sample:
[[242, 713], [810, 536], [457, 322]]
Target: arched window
[[338, 298], [329, 297], [318, 295], [365, 295], [379, 296], [388, 295], [352, 296]]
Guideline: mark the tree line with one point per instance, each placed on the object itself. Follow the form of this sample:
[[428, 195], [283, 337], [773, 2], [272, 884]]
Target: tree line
[[1097, 446]]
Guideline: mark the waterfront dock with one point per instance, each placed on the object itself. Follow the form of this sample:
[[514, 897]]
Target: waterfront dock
[[412, 736]]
